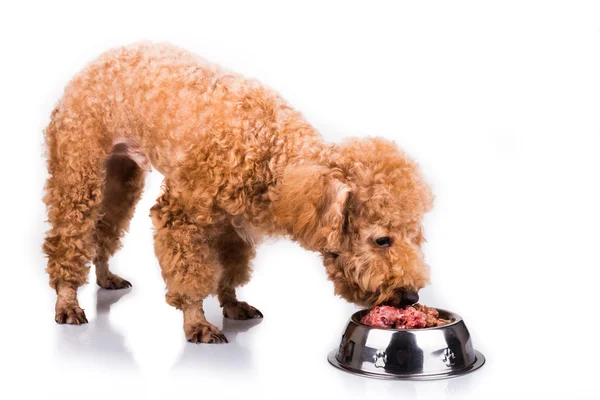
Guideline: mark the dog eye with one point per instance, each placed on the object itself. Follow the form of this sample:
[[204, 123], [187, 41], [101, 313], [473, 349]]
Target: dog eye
[[385, 241]]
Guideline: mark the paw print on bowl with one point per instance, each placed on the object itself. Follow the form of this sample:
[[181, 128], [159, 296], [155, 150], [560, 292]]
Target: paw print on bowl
[[380, 358], [448, 358]]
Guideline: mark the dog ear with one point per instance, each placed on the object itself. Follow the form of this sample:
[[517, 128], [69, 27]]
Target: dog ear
[[312, 206]]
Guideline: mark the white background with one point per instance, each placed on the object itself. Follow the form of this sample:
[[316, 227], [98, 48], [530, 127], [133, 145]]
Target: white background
[[499, 103]]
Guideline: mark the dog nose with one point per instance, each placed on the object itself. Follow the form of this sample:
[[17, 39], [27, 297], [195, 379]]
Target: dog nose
[[409, 297], [403, 298]]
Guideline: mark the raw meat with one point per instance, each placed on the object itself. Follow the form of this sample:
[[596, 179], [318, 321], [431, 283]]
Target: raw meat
[[411, 317]]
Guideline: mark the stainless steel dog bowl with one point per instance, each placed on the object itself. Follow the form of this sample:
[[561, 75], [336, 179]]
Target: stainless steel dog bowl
[[415, 354]]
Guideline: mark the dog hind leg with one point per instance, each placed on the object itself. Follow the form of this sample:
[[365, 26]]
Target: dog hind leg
[[77, 149], [122, 190]]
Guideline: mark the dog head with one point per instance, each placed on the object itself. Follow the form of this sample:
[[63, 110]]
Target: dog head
[[362, 211]]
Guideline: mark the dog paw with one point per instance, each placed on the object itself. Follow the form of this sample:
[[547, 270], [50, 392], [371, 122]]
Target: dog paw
[[205, 334], [240, 310], [69, 313], [112, 282]]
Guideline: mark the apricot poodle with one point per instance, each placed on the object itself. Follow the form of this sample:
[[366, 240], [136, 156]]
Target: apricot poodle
[[239, 164]]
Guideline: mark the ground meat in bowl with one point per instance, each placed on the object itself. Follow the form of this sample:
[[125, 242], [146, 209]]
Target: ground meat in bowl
[[411, 317]]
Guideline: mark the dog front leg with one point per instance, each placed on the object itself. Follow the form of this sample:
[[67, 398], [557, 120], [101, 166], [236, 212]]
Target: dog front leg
[[190, 266], [197, 329], [235, 254]]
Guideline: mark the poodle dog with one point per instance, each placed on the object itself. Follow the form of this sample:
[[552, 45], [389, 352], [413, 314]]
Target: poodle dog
[[239, 164]]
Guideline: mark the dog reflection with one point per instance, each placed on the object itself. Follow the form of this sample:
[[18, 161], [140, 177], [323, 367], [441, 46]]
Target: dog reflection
[[97, 342], [232, 357]]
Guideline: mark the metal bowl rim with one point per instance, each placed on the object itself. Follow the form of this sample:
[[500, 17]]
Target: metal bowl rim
[[457, 318]]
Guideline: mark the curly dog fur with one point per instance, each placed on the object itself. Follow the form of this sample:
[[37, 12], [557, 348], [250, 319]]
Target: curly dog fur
[[239, 164]]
